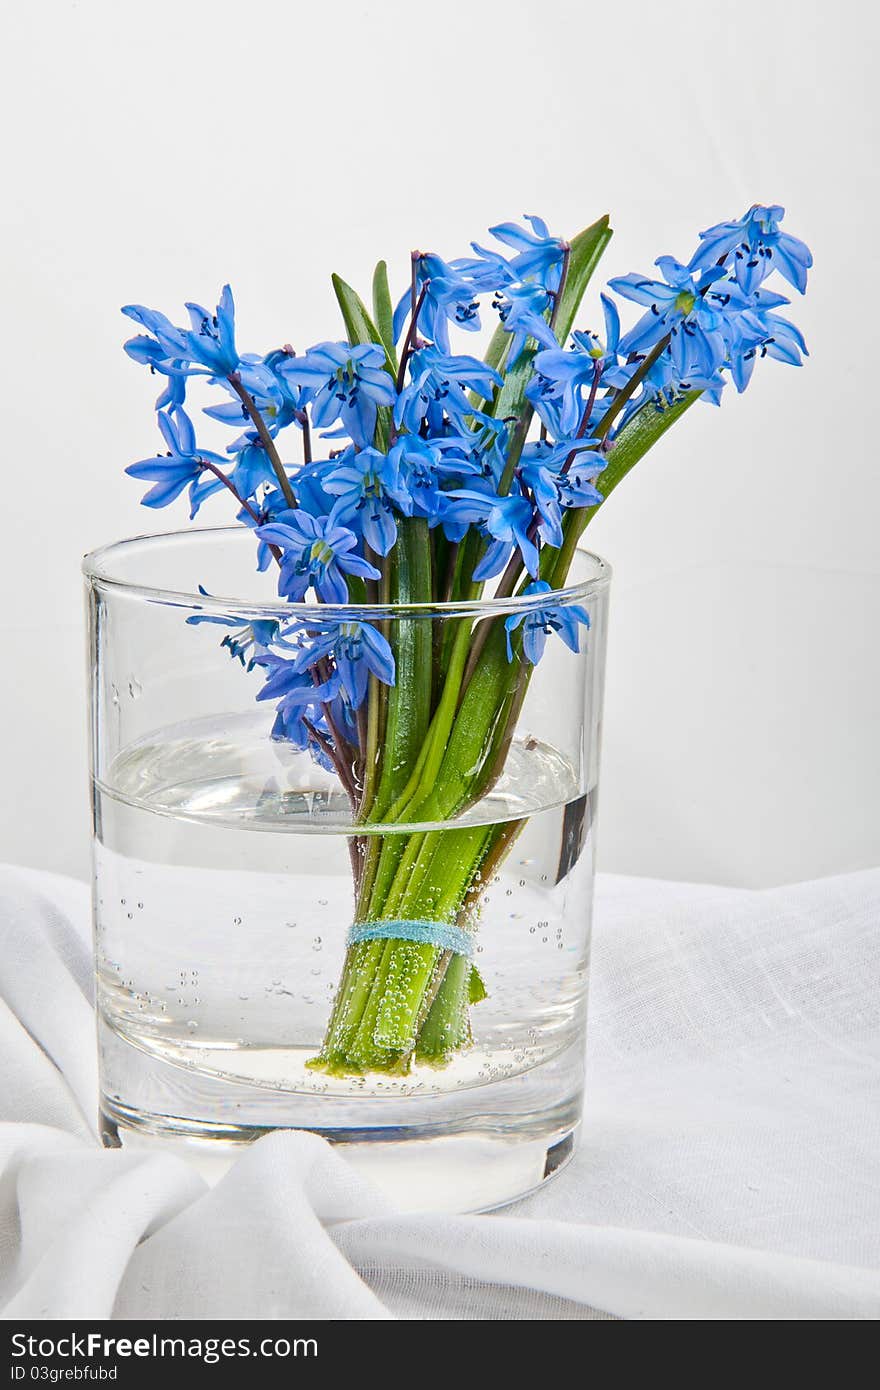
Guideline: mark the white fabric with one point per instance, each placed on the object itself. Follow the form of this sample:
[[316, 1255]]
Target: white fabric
[[728, 1167]]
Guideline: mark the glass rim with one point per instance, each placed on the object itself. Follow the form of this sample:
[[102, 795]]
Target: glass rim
[[97, 568]]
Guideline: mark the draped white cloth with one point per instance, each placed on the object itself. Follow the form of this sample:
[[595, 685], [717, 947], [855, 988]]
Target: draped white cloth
[[728, 1168]]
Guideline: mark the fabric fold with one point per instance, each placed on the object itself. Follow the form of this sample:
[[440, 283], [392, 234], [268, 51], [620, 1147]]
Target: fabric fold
[[726, 1169]]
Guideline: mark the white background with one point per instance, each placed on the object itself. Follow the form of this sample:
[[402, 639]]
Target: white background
[[153, 152]]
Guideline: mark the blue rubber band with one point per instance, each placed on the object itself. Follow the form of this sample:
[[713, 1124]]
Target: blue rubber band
[[441, 934]]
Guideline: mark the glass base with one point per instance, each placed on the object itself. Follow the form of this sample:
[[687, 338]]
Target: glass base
[[458, 1174], [466, 1151]]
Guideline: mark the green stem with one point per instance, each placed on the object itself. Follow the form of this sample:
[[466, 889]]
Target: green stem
[[409, 700], [434, 745], [444, 741], [446, 1028]]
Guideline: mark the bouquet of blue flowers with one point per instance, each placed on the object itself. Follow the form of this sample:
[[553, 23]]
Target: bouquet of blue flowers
[[443, 473]]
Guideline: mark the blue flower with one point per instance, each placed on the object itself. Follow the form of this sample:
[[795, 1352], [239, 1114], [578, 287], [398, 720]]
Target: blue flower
[[182, 466], [522, 310], [344, 383], [540, 255], [173, 393], [576, 485], [279, 404], [692, 312], [367, 486], [359, 649], [758, 247], [557, 388], [758, 332], [750, 330], [206, 348], [564, 380], [300, 699], [253, 468], [317, 551], [505, 519], [278, 400], [419, 466], [247, 642], [211, 337], [616, 371], [663, 386], [541, 469], [538, 261], [485, 273], [438, 383], [286, 677], [542, 482], [312, 495], [356, 649], [539, 623], [480, 453], [163, 347], [290, 726], [449, 296]]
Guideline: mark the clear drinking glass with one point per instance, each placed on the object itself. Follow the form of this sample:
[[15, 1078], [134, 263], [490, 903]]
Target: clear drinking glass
[[223, 890]]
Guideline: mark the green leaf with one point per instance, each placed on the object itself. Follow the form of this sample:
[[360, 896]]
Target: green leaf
[[357, 589], [638, 435], [358, 324], [586, 252], [383, 311], [640, 432], [476, 988], [496, 352]]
